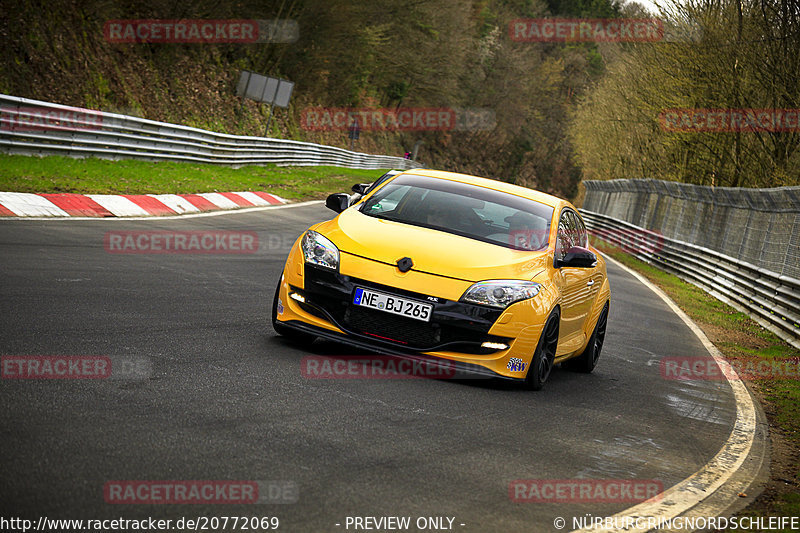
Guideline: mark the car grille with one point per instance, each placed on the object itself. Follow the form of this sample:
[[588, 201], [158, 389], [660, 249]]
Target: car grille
[[414, 333], [459, 327]]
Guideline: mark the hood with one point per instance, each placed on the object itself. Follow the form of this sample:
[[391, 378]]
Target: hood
[[432, 251]]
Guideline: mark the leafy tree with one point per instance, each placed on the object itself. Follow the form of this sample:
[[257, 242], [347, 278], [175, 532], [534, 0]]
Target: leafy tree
[[724, 54]]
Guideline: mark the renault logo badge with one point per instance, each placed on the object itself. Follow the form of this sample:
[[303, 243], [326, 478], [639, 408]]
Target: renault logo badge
[[405, 264]]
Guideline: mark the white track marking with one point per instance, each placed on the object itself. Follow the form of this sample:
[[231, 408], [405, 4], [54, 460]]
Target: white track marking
[[176, 203], [220, 201], [252, 198], [694, 489], [118, 205], [25, 204], [172, 217]]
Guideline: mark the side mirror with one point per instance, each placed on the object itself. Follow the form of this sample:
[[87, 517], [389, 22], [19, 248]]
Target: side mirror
[[578, 257], [338, 202], [360, 188]]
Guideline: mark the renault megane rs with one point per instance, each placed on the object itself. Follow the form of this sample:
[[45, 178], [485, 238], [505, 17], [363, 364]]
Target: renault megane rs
[[492, 278]]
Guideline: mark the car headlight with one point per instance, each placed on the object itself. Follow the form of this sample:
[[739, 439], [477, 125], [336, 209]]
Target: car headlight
[[500, 292], [319, 250]]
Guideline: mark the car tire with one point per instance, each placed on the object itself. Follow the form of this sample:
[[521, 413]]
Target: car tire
[[291, 334], [542, 362], [586, 361]]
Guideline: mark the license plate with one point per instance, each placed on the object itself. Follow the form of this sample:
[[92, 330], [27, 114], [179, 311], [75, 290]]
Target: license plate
[[393, 304]]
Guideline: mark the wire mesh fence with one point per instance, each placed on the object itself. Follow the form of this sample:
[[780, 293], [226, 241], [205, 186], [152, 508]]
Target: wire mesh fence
[[770, 299], [757, 226]]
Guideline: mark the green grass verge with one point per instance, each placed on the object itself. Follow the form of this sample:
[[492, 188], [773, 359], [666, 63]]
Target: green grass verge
[[55, 174], [740, 338]]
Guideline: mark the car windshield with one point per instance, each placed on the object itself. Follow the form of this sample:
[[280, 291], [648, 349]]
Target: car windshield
[[462, 209]]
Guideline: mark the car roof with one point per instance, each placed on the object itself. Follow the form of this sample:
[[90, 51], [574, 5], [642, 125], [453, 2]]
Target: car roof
[[497, 185]]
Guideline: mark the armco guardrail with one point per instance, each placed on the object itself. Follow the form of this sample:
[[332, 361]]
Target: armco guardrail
[[33, 127], [771, 299]]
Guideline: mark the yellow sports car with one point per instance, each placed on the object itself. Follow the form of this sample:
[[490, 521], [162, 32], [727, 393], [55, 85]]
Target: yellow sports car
[[459, 271]]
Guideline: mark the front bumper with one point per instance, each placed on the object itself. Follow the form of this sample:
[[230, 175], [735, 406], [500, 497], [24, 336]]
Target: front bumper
[[318, 301], [450, 368]]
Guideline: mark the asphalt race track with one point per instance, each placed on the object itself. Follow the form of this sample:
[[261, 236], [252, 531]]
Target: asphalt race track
[[225, 399]]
